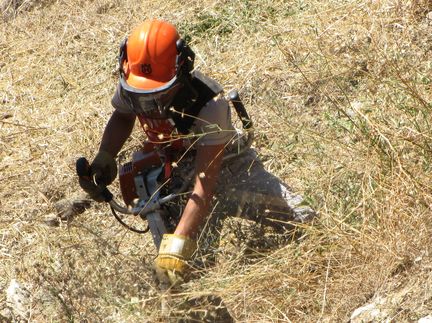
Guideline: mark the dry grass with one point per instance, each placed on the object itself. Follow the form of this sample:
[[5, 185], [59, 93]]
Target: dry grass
[[341, 92]]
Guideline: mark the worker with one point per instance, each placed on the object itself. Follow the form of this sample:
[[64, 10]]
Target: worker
[[181, 109]]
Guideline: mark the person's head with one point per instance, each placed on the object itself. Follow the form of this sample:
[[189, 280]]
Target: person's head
[[153, 60]]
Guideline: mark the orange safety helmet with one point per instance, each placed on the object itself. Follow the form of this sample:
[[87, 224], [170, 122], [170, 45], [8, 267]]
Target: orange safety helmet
[[152, 61], [151, 55]]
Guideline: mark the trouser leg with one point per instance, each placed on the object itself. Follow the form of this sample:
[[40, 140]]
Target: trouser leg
[[248, 191]]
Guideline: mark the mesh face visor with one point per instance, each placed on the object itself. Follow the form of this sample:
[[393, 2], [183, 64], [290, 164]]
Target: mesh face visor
[[152, 104]]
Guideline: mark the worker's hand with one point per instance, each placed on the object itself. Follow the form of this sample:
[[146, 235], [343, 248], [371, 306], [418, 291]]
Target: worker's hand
[[103, 172], [171, 264], [104, 168], [94, 192]]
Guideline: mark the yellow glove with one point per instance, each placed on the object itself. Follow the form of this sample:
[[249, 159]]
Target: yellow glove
[[171, 264]]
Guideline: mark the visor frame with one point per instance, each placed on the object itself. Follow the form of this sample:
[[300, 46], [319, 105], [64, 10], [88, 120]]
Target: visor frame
[[152, 108]]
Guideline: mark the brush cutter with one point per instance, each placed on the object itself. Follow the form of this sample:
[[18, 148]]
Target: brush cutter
[[143, 182]]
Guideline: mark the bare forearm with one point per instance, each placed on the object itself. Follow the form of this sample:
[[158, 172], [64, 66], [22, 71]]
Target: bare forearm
[[193, 216], [116, 132], [208, 164]]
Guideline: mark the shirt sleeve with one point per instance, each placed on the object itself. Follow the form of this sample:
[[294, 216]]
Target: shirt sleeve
[[213, 125], [119, 103]]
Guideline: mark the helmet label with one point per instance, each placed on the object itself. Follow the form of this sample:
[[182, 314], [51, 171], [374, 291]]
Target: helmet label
[[146, 68]]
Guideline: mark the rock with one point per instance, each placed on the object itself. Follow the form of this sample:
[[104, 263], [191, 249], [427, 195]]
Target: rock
[[6, 315], [67, 209], [426, 319], [370, 312], [384, 309], [18, 299], [52, 221], [365, 313]]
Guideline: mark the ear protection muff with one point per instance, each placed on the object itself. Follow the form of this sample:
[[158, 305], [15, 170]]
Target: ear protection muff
[[122, 56], [185, 58], [184, 65]]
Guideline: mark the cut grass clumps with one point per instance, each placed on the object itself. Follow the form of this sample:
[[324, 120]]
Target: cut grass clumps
[[11, 8]]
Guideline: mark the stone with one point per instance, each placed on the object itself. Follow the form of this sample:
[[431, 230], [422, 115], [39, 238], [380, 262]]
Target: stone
[[67, 209], [426, 319], [18, 299], [370, 312]]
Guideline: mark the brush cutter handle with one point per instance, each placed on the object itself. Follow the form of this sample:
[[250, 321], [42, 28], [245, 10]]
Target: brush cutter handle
[[83, 168], [84, 172], [234, 97]]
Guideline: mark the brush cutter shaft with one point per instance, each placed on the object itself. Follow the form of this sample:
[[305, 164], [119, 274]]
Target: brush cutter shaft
[[143, 208], [157, 227]]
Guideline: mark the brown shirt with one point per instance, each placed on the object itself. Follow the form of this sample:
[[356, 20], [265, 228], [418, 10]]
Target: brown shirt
[[212, 126]]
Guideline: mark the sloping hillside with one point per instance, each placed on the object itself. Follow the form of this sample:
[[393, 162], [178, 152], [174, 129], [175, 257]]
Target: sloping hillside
[[341, 95]]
